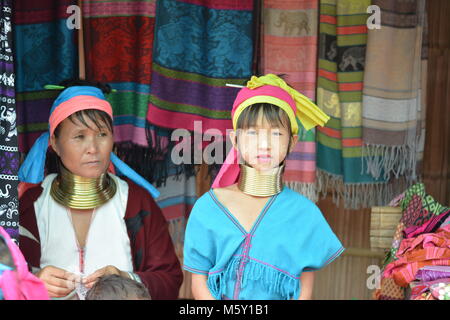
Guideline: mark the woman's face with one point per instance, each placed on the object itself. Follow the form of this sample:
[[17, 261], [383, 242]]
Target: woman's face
[[83, 150], [263, 146]]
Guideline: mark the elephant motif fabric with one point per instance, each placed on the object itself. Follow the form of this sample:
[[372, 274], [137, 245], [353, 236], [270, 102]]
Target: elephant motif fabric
[[289, 47], [341, 68], [294, 23]]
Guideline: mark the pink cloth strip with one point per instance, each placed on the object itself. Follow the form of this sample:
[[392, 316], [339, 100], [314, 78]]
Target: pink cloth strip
[[75, 104], [20, 284]]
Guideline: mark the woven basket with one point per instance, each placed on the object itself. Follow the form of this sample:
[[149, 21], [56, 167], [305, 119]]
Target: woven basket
[[383, 223]]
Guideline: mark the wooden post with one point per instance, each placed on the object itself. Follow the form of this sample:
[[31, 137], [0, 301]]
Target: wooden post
[[81, 61]]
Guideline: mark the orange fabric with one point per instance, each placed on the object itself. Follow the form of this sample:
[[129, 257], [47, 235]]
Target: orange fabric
[[415, 253]]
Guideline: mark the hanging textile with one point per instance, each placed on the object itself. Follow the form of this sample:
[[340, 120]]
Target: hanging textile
[[118, 37], [45, 53], [178, 195], [342, 50], [119, 48], [290, 48], [394, 90], [200, 46], [9, 155]]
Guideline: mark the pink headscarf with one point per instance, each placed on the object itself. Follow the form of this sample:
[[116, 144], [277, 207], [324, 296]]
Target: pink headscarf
[[77, 103], [268, 89], [20, 284]]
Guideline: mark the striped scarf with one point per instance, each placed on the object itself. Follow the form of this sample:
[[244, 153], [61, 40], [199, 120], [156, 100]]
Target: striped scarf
[[178, 195], [342, 50], [119, 51], [200, 46], [289, 45], [394, 93], [118, 46], [45, 53]]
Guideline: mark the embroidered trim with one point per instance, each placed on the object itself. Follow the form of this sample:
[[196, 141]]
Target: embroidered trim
[[194, 270], [235, 221], [225, 210], [214, 272], [270, 266], [341, 249]]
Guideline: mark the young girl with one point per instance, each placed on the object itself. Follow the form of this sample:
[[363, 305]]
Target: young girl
[[249, 237]]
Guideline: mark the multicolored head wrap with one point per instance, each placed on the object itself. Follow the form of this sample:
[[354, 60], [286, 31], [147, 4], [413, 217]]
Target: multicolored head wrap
[[269, 89], [68, 102], [18, 283]]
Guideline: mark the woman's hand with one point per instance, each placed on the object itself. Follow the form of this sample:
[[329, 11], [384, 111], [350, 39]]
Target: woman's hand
[[59, 282], [90, 280]]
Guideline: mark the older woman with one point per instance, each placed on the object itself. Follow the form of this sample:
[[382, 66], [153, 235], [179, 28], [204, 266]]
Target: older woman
[[85, 222]]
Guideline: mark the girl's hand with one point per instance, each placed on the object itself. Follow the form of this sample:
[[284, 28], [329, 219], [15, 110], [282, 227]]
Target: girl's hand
[[307, 284], [199, 287], [59, 282], [90, 280]]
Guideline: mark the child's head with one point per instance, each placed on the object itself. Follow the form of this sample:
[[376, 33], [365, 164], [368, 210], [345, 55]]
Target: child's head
[[114, 287], [264, 116], [263, 136]]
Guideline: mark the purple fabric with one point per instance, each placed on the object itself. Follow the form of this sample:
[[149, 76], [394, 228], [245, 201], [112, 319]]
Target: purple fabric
[[302, 156], [36, 110], [190, 93], [7, 92], [431, 273], [428, 227]]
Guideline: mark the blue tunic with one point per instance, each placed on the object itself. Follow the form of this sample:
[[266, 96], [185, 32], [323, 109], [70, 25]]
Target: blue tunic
[[289, 236]]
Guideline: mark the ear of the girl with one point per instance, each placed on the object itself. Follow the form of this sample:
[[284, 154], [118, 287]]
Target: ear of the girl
[[294, 140], [233, 139]]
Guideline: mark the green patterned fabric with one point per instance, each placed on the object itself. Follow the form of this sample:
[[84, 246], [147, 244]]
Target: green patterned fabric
[[417, 208], [342, 50]]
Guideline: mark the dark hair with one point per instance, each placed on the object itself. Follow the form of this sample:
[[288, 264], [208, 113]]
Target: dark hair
[[271, 113], [106, 88], [96, 116], [5, 254], [115, 287]]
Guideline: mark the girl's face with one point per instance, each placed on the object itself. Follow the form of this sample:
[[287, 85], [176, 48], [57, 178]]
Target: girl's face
[[83, 150], [263, 146]]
